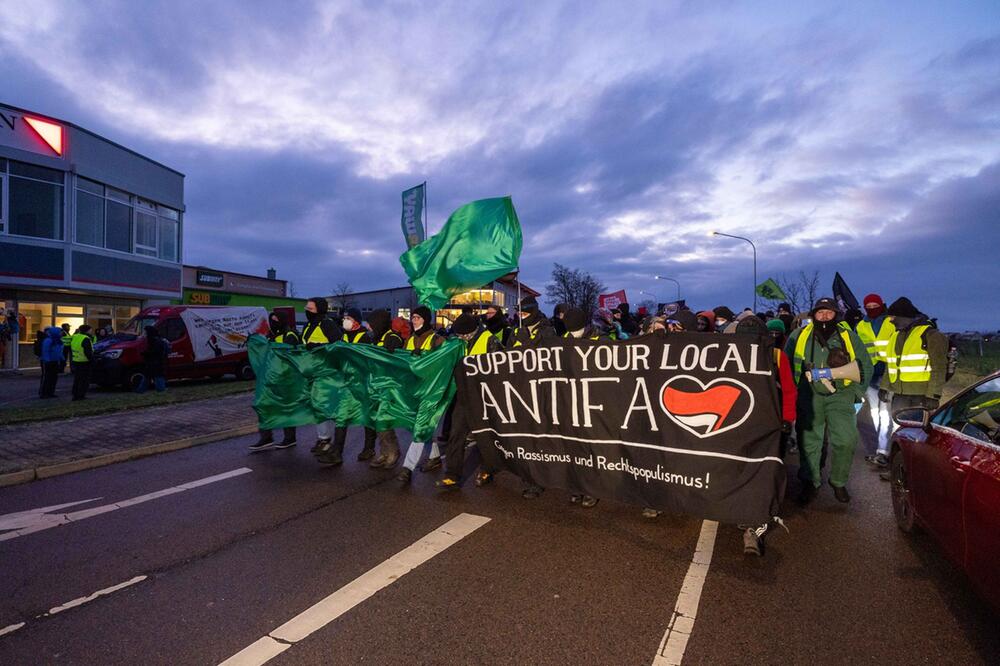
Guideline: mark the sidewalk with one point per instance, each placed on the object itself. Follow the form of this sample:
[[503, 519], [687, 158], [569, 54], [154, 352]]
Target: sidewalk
[[33, 447]]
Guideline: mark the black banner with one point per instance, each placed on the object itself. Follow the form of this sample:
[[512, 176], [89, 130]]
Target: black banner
[[683, 422]]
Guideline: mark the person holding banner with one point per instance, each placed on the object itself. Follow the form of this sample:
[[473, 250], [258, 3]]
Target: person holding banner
[[423, 339], [577, 327], [381, 331], [321, 330], [832, 370], [280, 333], [533, 326], [478, 341]]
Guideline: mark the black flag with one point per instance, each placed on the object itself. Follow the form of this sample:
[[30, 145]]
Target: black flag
[[842, 293]]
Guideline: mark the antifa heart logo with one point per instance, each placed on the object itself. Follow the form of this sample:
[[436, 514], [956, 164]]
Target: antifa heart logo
[[708, 409]]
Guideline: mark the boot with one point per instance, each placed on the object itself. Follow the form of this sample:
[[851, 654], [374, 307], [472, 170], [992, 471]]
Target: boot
[[287, 440], [264, 441], [390, 449], [368, 452], [331, 454], [319, 445]]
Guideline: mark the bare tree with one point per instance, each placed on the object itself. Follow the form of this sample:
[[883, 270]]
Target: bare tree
[[571, 285], [801, 291], [340, 294]]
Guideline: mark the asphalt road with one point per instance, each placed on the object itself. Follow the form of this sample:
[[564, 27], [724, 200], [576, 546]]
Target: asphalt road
[[228, 562]]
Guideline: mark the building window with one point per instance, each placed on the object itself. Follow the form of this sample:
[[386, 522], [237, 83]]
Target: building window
[[119, 226], [145, 230], [89, 216], [35, 201], [3, 188]]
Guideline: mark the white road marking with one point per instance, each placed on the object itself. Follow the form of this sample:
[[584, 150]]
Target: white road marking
[[41, 515], [90, 597], [11, 628], [54, 520], [357, 591], [675, 641]]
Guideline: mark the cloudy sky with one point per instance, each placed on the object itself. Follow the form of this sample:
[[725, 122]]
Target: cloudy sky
[[860, 137]]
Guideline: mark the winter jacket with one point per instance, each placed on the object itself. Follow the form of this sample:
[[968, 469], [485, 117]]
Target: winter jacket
[[936, 344], [786, 386], [816, 353], [533, 327], [52, 346], [155, 354], [415, 342]]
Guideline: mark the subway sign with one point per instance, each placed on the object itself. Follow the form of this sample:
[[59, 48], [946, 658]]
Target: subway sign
[[210, 279]]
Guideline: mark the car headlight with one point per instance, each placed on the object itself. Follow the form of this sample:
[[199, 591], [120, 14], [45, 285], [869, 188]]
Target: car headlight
[[112, 354]]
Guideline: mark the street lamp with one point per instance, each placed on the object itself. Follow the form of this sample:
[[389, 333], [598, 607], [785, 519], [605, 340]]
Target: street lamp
[[719, 233], [676, 283]]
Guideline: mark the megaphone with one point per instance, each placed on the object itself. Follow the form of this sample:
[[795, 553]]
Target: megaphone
[[826, 376]]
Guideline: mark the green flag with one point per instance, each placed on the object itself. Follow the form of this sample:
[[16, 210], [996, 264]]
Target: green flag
[[413, 214], [353, 385], [770, 290], [480, 242]]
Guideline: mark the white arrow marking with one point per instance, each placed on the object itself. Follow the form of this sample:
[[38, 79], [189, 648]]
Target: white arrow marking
[[32, 517], [54, 520]]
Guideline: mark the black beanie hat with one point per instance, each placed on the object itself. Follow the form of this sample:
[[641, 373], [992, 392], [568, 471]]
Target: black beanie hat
[[354, 314], [687, 319], [825, 303], [465, 323], [380, 321], [752, 325], [529, 304], [322, 305], [724, 313], [902, 307], [423, 311], [575, 319]]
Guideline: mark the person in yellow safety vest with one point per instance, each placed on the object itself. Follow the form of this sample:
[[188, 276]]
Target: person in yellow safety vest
[[496, 323], [283, 334], [533, 325], [477, 341], [819, 409], [66, 338], [915, 363], [423, 339], [332, 453], [320, 330], [81, 347], [386, 338], [875, 330]]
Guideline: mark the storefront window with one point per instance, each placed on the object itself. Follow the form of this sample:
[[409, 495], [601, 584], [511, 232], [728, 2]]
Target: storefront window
[[100, 316], [35, 201], [9, 335], [35, 317], [122, 315], [69, 314]]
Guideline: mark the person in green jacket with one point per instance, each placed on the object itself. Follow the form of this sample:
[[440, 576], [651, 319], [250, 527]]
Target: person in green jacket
[[826, 405]]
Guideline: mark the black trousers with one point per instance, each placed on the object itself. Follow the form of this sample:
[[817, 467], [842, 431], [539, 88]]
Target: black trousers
[[50, 375], [340, 437], [81, 380]]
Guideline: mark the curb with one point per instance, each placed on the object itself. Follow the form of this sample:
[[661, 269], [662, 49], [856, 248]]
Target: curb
[[48, 471]]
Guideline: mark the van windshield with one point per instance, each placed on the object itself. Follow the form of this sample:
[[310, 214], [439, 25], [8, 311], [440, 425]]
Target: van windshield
[[137, 325]]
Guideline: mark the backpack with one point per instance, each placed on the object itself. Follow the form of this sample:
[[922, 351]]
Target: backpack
[[37, 347]]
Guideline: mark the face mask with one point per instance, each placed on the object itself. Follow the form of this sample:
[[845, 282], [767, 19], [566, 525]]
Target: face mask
[[577, 334], [312, 317], [348, 324], [719, 323]]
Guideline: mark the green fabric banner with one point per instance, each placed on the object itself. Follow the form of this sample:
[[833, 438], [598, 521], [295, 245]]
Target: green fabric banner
[[769, 289], [480, 242], [413, 214], [353, 385]]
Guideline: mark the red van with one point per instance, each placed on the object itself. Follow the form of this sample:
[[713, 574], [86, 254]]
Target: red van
[[205, 341]]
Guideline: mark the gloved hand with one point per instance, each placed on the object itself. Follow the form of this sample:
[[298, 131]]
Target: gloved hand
[[821, 373], [883, 395], [786, 427]]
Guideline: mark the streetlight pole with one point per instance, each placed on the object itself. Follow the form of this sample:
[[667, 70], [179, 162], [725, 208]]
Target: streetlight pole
[[676, 283], [719, 233]]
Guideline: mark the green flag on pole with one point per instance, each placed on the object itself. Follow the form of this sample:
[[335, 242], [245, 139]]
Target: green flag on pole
[[414, 200], [770, 290], [480, 242]]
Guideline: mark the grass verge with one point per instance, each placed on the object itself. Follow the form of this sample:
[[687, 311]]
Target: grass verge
[[63, 408]]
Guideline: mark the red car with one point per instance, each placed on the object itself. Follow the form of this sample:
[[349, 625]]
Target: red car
[[945, 473]]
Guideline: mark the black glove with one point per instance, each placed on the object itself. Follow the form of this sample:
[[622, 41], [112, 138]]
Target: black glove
[[786, 427], [883, 395]]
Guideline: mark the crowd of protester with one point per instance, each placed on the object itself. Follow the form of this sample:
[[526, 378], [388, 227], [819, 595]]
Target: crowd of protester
[[828, 366]]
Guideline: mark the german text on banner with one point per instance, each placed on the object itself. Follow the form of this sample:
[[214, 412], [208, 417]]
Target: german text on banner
[[414, 200]]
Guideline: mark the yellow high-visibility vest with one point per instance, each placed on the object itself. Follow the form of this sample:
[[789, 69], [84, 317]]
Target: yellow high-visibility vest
[[798, 358], [481, 344], [357, 336], [411, 343], [76, 346], [913, 363]]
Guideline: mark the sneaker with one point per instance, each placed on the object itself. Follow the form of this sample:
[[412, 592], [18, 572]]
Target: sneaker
[[588, 502], [879, 460], [651, 513], [430, 464], [285, 443], [447, 483], [532, 492], [319, 445], [404, 477], [483, 479], [752, 545], [840, 492], [575, 499], [262, 445]]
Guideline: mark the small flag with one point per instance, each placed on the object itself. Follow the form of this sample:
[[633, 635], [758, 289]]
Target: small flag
[[843, 295], [770, 290], [413, 214], [480, 242]]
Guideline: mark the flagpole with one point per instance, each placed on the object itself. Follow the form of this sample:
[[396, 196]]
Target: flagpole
[[426, 230], [517, 276]]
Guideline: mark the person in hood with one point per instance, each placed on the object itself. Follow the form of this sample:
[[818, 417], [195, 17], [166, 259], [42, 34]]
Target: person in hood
[[706, 322], [723, 317], [423, 339], [155, 361], [386, 338], [578, 326], [477, 341], [279, 333], [52, 359], [605, 325], [825, 405], [916, 362], [557, 319], [533, 326], [320, 330], [496, 323], [875, 330], [683, 320], [625, 319]]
